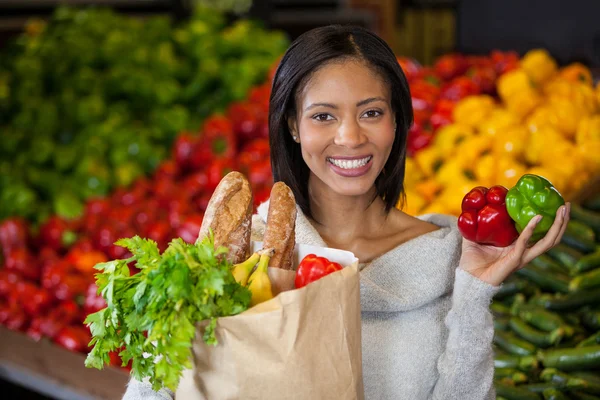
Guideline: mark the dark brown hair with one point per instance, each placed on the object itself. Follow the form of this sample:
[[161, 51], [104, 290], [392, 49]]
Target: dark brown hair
[[307, 54]]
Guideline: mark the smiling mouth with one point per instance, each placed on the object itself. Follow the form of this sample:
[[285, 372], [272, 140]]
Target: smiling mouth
[[349, 164]]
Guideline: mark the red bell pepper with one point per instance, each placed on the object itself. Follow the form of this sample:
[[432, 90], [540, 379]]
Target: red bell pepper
[[8, 282], [22, 262], [484, 218], [450, 66], [217, 141], [33, 299], [13, 317], [74, 338], [190, 227], [459, 88], [183, 149], [418, 138], [410, 67], [56, 233], [93, 301], [14, 234], [442, 114], [312, 268]]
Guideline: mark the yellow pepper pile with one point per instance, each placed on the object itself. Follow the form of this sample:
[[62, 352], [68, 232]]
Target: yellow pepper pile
[[546, 121]]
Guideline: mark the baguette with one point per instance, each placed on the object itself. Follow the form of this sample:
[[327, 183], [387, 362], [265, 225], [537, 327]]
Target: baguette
[[229, 216], [280, 232]]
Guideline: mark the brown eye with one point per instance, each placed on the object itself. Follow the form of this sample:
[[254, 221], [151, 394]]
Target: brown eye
[[322, 117], [372, 114]]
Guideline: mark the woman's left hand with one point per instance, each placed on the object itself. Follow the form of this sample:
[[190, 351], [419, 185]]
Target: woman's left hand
[[494, 264]]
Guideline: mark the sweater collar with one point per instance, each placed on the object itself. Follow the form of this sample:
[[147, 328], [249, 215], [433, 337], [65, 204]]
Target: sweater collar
[[407, 277]]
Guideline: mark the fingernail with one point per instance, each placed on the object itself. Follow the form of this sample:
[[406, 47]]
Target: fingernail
[[564, 211], [537, 219]]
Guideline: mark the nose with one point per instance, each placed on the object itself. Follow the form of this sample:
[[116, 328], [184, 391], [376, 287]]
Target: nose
[[350, 134]]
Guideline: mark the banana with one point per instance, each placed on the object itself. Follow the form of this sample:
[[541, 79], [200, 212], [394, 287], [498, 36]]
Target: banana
[[259, 282], [241, 271]]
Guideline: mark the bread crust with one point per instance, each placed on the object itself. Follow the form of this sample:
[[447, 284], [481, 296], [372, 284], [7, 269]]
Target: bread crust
[[229, 215], [280, 233]]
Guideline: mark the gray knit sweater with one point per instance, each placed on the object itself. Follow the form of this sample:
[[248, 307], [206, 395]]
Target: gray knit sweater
[[426, 326]]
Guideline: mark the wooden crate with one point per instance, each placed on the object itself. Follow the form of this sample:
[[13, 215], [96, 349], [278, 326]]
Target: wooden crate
[[56, 372]]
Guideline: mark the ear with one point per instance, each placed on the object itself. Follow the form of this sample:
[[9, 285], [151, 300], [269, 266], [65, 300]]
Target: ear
[[293, 128]]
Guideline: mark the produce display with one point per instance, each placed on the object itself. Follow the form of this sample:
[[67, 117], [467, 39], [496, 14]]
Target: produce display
[[547, 318], [93, 100], [114, 127], [47, 276], [535, 115]]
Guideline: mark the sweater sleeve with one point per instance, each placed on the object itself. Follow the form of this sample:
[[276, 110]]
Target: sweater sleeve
[[137, 390], [466, 367]]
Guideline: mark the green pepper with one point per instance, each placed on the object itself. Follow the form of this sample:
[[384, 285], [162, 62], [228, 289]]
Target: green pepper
[[531, 196]]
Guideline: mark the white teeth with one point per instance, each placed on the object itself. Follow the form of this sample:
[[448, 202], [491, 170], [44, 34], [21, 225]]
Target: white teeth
[[350, 164]]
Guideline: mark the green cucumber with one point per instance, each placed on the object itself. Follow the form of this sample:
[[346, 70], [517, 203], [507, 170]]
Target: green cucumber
[[501, 323], [562, 380], [499, 309], [587, 262], [547, 263], [590, 218], [554, 394], [592, 340], [581, 358], [593, 203], [538, 387], [534, 336], [591, 319], [567, 302], [546, 280], [587, 280], [580, 237], [512, 344], [511, 287], [514, 392], [577, 395], [565, 255], [514, 374], [525, 364]]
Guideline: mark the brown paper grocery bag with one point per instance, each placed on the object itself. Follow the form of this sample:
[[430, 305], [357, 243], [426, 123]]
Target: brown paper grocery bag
[[302, 344]]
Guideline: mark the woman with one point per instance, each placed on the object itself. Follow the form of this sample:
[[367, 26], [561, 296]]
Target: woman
[[339, 115]]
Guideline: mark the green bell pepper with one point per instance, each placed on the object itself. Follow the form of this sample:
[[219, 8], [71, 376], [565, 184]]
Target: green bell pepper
[[531, 196]]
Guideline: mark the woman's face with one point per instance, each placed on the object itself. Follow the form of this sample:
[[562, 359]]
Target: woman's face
[[345, 126]]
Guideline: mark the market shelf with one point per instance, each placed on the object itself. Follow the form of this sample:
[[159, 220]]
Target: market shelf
[[54, 371]]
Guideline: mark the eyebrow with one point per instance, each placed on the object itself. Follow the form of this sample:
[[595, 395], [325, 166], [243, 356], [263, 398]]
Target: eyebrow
[[359, 104]]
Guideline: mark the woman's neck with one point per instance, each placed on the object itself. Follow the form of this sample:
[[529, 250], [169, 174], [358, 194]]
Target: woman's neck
[[344, 219]]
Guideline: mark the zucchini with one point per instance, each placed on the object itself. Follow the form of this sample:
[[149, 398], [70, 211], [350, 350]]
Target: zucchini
[[534, 336], [567, 302], [588, 280], [499, 309], [554, 394], [514, 374], [593, 203], [562, 380], [572, 359], [591, 319], [583, 396], [547, 263], [547, 280], [538, 387], [542, 319], [525, 364], [590, 218], [514, 392], [587, 262], [565, 255], [511, 287], [501, 323], [592, 340], [513, 345], [588, 376], [580, 237]]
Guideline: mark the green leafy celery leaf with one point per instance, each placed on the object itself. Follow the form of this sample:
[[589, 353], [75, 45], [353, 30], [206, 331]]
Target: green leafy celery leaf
[[151, 316]]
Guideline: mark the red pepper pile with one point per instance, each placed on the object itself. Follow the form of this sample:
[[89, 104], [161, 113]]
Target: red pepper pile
[[436, 90], [47, 278]]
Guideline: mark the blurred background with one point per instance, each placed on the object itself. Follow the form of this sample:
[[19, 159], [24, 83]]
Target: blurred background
[[119, 118]]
